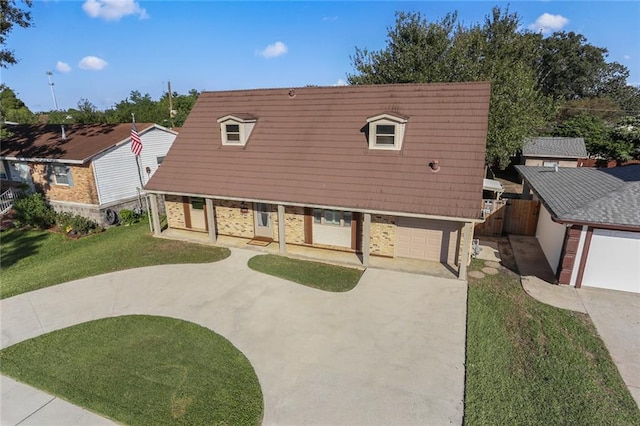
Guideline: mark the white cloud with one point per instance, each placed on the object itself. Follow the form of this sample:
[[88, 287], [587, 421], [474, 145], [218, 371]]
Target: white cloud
[[92, 63], [340, 82], [627, 57], [113, 10], [547, 23], [62, 67], [274, 50]]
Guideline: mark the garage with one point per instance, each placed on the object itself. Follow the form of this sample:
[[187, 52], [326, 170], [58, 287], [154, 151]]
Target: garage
[[613, 261], [428, 239]]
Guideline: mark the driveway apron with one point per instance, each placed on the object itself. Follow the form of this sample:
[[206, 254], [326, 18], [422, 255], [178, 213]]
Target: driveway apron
[[391, 351]]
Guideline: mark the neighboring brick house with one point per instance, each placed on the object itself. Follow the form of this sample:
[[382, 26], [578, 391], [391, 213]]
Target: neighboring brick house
[[553, 151], [385, 170], [88, 171], [589, 224]]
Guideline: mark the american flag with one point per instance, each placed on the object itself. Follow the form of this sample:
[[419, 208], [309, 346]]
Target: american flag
[[136, 143]]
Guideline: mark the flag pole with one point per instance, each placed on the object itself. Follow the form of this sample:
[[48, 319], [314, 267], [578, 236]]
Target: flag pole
[[133, 119]]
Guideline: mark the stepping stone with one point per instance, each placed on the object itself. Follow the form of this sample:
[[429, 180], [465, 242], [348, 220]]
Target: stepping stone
[[490, 271], [476, 274], [492, 264]]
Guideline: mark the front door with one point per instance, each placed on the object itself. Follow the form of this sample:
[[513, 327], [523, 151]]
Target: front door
[[262, 217], [197, 213]]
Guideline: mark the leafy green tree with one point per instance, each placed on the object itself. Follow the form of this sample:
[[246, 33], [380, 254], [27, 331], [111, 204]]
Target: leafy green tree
[[12, 14], [88, 113], [13, 109], [447, 51], [626, 135], [592, 128]]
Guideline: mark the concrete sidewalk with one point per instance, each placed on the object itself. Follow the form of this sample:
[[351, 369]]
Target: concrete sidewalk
[[391, 351]]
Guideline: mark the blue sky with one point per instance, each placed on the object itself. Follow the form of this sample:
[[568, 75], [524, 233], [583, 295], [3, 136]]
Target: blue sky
[[101, 50]]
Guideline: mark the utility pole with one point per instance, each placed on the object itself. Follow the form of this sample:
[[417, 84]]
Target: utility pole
[[55, 103], [172, 112]]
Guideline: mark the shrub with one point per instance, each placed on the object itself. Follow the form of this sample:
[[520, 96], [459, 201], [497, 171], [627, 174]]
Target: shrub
[[128, 217], [76, 224], [33, 210]]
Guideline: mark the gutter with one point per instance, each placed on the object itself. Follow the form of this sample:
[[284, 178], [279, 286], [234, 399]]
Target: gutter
[[319, 206]]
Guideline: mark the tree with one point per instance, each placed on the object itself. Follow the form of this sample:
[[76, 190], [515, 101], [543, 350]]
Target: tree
[[88, 113], [13, 109], [12, 14], [446, 51], [626, 135]]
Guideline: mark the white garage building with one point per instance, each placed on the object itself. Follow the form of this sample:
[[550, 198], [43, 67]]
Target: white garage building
[[589, 224]]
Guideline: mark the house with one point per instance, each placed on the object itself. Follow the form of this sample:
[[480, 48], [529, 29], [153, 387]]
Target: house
[[589, 224], [385, 170], [553, 151], [87, 171]]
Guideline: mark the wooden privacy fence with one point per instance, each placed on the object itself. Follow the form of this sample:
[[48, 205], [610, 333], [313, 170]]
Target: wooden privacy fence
[[509, 216]]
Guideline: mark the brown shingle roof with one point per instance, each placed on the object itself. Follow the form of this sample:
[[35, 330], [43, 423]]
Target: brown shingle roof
[[311, 149], [44, 141]]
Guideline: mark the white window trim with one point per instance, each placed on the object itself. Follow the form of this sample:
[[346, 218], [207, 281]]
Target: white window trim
[[55, 177], [323, 222], [245, 126], [387, 120]]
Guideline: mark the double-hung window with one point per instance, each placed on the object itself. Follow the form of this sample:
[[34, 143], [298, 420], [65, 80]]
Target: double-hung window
[[332, 217], [62, 175], [385, 134], [233, 133]]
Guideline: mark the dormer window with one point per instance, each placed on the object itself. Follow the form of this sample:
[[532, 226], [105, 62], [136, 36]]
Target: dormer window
[[233, 133], [386, 131], [236, 128]]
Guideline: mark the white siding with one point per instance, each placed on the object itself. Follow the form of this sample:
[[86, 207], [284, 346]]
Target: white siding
[[613, 261], [116, 172], [551, 237]]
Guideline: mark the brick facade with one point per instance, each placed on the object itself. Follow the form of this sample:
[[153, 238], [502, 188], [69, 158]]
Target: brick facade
[[83, 188], [383, 235], [175, 211], [231, 221]]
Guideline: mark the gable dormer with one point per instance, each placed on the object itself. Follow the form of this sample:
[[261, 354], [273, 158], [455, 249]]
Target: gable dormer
[[235, 129], [386, 131]]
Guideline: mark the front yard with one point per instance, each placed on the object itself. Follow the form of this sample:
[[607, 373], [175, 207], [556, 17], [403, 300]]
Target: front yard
[[31, 260], [530, 363], [160, 371]]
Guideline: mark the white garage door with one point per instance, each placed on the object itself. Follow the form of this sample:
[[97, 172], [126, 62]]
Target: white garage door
[[427, 239], [613, 261]]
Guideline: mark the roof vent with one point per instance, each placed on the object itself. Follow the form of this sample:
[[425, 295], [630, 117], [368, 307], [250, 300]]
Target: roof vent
[[435, 166], [555, 167], [292, 93]]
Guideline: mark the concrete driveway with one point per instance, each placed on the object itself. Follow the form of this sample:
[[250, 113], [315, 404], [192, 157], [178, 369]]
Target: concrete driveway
[[616, 315], [391, 351]]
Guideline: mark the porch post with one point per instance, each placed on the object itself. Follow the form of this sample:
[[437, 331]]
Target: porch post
[[467, 236], [282, 244], [155, 217], [211, 220], [366, 239]]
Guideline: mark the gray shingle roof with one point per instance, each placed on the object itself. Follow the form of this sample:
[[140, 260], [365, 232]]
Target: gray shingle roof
[[592, 195], [554, 147]]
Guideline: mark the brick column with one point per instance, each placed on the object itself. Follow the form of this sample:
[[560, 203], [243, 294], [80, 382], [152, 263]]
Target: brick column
[[282, 244], [467, 236], [155, 217], [211, 220]]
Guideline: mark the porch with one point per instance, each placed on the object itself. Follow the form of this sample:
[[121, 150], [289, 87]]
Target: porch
[[343, 258]]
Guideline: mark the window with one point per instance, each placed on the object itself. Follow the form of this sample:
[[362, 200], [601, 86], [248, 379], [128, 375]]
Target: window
[[62, 175], [197, 203], [233, 133], [550, 163], [385, 134], [3, 171], [332, 217], [386, 131]]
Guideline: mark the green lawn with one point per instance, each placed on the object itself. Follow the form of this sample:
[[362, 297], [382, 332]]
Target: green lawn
[[312, 274], [34, 259], [530, 363], [142, 370]]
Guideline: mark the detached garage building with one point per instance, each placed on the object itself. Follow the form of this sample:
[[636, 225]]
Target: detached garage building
[[384, 170], [589, 224]]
